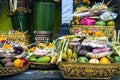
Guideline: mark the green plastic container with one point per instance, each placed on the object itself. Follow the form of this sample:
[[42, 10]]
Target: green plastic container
[[43, 15], [20, 21]]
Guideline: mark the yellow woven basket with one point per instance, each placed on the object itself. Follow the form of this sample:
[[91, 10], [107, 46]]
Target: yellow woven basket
[[8, 71], [87, 70], [107, 30]]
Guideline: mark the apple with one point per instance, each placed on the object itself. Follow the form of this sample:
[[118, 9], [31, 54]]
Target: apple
[[100, 23], [24, 60], [93, 61], [116, 58], [82, 60], [111, 23]]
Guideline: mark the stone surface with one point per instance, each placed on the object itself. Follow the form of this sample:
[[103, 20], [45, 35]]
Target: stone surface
[[41, 75], [35, 75]]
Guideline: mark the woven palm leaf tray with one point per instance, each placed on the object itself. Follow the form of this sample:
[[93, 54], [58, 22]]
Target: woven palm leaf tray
[[87, 70]]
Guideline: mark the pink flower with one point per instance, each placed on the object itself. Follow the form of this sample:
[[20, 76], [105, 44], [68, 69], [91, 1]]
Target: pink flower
[[77, 31], [95, 30], [87, 21]]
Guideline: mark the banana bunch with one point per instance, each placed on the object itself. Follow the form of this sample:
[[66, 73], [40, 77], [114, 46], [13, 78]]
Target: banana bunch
[[69, 55], [63, 49], [75, 20]]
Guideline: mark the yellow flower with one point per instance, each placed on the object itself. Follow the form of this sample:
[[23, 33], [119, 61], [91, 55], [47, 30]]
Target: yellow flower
[[6, 46], [2, 39], [89, 31], [84, 31], [99, 34], [50, 45], [32, 49], [19, 33]]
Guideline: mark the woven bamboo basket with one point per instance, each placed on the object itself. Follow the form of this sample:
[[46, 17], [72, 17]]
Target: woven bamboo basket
[[107, 30], [8, 71], [43, 66], [87, 70]]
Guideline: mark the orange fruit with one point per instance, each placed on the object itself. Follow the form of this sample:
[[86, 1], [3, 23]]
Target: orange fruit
[[89, 31], [104, 60], [18, 63]]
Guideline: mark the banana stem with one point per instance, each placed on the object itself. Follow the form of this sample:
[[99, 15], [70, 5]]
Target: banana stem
[[66, 45], [60, 56]]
